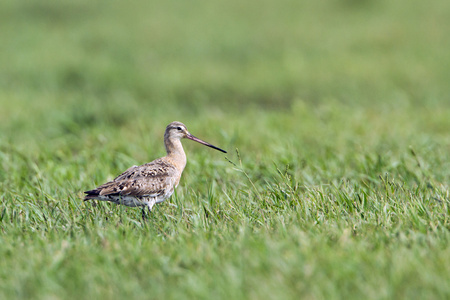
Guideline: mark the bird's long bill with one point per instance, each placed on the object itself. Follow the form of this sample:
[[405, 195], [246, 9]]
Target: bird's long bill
[[191, 137]]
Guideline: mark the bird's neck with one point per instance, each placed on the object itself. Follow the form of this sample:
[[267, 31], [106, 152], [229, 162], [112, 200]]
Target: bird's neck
[[175, 153]]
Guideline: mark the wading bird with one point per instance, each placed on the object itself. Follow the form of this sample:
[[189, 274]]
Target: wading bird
[[152, 182]]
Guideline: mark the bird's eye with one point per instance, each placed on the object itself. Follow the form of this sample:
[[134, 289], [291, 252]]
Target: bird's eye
[[179, 128]]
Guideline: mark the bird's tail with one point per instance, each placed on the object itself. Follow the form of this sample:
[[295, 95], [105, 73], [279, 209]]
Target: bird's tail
[[92, 194]]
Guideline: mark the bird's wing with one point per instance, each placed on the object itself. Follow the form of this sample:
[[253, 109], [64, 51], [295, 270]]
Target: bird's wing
[[151, 180]]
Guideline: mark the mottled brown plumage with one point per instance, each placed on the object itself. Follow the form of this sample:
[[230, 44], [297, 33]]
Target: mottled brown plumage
[[152, 182]]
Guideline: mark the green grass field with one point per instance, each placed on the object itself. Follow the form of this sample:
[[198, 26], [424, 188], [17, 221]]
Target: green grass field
[[335, 115]]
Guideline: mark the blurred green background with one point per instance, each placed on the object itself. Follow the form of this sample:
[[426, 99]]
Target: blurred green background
[[282, 79], [325, 100], [142, 59], [76, 66]]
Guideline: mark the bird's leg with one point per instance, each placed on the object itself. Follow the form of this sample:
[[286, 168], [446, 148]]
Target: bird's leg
[[149, 207], [143, 214]]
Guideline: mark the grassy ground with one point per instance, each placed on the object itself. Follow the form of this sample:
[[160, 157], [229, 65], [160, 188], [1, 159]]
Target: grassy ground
[[336, 116]]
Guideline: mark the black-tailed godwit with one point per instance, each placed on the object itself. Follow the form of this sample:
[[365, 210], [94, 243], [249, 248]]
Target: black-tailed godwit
[[152, 182]]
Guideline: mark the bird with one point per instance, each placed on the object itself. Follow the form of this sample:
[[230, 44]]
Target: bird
[[153, 182]]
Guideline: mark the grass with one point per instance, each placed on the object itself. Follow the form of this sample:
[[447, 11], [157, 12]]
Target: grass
[[335, 114]]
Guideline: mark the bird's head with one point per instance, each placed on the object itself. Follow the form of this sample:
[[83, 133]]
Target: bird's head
[[177, 130]]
